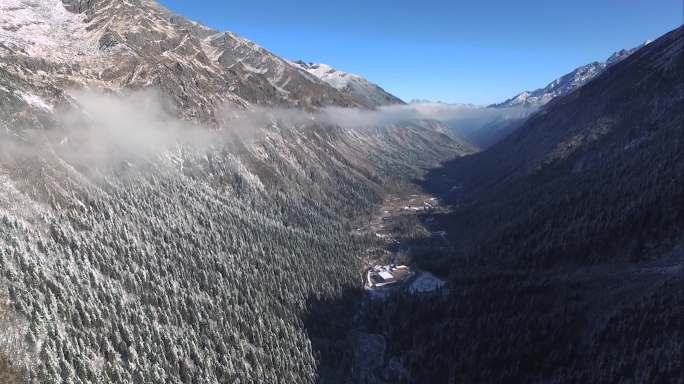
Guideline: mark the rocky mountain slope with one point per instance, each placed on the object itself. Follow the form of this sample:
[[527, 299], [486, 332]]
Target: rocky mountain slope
[[351, 84], [171, 200], [566, 83], [138, 44]]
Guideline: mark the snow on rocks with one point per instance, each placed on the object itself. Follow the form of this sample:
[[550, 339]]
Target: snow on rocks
[[36, 101], [45, 29], [354, 85]]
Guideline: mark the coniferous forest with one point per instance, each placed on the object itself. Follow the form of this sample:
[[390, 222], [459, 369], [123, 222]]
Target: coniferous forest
[[180, 205], [567, 261]]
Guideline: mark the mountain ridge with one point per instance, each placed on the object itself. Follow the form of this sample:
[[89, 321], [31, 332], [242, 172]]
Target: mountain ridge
[[180, 205], [619, 112], [138, 44], [351, 84], [568, 244], [566, 83]]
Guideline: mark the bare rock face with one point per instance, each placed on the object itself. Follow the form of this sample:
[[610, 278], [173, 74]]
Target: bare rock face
[[294, 85], [77, 6], [138, 44]]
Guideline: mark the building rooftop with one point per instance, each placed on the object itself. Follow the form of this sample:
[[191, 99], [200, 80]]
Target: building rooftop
[[386, 275]]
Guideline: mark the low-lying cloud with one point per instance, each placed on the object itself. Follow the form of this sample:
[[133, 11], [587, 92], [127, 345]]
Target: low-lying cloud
[[465, 120], [99, 128]]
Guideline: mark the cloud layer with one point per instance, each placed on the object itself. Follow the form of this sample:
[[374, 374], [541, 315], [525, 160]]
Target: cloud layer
[[470, 122], [101, 128]]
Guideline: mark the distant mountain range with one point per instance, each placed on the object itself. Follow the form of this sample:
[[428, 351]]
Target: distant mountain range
[[351, 84], [617, 130], [566, 83]]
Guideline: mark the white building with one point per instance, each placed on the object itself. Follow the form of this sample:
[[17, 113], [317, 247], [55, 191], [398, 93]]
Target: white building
[[386, 276]]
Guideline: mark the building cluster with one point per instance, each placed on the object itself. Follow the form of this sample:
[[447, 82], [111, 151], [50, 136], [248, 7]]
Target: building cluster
[[381, 276], [428, 205]]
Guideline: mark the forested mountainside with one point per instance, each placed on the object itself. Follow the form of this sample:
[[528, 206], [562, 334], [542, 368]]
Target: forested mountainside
[[179, 205], [567, 244], [160, 227], [595, 167], [182, 266]]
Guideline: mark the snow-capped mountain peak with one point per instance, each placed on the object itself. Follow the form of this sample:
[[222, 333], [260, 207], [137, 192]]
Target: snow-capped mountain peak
[[351, 84], [332, 76], [567, 83]]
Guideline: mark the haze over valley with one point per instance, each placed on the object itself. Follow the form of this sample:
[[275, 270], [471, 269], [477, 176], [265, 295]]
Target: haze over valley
[[181, 205]]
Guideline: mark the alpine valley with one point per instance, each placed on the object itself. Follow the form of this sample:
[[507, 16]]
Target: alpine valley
[[180, 205]]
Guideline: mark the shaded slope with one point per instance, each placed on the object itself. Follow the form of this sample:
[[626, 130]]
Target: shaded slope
[[130, 254], [585, 175], [568, 244]]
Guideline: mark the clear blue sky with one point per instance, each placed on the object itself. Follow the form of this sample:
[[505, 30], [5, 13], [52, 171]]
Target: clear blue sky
[[450, 50]]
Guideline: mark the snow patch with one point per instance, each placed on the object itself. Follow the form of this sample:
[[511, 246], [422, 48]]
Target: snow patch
[[36, 101], [45, 29], [350, 83]]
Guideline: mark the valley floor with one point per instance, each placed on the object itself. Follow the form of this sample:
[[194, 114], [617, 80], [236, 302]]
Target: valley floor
[[403, 220], [594, 303]]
